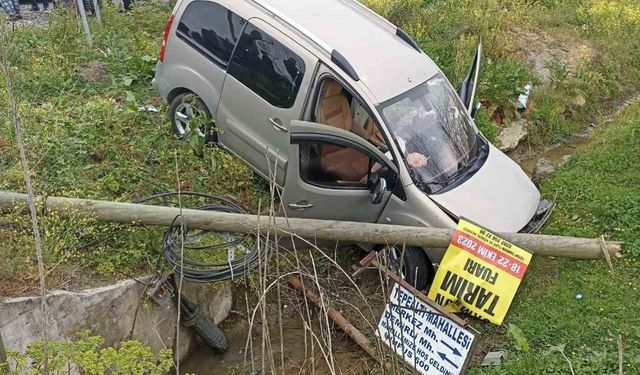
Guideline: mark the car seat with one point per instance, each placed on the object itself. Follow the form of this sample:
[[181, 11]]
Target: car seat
[[334, 110]]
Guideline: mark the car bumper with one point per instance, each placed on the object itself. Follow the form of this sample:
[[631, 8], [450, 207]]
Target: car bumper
[[160, 85], [545, 208], [161, 88]]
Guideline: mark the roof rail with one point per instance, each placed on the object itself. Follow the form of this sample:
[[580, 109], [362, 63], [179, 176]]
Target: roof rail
[[308, 34], [336, 57], [404, 36], [344, 64]]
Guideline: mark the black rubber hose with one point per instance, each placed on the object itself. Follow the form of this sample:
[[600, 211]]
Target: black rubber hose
[[209, 332], [192, 316]]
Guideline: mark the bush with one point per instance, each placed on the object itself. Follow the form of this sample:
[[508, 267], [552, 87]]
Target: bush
[[90, 357]]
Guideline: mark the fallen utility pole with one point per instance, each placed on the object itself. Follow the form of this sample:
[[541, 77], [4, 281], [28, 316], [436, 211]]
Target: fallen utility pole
[[130, 213]]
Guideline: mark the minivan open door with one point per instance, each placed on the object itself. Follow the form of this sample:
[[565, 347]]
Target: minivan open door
[[334, 174], [467, 89]]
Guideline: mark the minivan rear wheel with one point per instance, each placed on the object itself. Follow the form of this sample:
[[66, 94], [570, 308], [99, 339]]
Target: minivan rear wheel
[[414, 266], [187, 111]]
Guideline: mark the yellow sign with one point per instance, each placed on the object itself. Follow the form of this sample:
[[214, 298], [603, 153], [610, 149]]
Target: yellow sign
[[479, 274]]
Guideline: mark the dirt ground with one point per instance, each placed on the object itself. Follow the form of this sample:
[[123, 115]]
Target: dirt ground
[[543, 50], [306, 335]]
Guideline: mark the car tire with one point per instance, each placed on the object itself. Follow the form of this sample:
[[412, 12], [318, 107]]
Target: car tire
[[184, 109], [416, 268]]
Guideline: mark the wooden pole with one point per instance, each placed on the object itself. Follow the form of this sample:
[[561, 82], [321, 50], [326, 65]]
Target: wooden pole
[[129, 213], [338, 318]]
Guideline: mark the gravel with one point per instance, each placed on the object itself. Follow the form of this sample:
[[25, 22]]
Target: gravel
[[32, 19]]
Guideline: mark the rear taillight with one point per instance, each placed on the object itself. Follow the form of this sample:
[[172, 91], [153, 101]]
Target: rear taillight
[[165, 36]]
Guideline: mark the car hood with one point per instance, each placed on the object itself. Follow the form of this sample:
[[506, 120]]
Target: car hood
[[499, 196]]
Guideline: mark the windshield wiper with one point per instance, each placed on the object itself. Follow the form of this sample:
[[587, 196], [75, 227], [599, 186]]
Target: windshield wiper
[[481, 148]]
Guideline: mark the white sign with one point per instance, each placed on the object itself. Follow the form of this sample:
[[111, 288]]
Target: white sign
[[427, 340]]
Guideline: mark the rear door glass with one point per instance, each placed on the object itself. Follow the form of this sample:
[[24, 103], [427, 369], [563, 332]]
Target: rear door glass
[[267, 67], [211, 29]]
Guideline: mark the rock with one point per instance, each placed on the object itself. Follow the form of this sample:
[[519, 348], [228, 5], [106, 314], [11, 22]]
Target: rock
[[493, 359], [563, 160], [543, 169], [543, 52], [511, 136]]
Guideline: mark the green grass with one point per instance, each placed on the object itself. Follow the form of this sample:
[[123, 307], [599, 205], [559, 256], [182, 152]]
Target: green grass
[[89, 139], [598, 193], [577, 91]]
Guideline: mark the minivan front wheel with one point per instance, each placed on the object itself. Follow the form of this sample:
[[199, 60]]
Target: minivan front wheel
[[189, 113], [412, 264]]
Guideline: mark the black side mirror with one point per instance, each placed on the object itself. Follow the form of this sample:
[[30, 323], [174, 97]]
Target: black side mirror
[[475, 110], [377, 193]]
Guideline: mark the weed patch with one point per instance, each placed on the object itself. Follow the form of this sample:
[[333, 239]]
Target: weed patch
[[592, 58], [88, 134], [580, 306]]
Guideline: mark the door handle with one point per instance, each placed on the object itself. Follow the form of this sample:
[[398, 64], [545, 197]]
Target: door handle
[[277, 124], [301, 205]]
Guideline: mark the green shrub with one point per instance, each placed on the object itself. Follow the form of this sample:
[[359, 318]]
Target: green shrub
[[89, 355], [549, 122], [399, 12], [486, 126]]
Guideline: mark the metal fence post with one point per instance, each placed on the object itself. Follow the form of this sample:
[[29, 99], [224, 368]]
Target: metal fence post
[[96, 6], [85, 22]]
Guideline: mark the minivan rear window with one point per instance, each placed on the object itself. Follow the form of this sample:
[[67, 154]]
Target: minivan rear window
[[267, 67], [211, 29]]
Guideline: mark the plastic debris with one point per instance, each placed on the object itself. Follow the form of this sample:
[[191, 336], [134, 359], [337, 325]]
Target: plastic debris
[[579, 296], [524, 98], [148, 108]]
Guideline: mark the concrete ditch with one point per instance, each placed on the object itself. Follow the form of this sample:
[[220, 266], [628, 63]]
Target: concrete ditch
[[116, 312]]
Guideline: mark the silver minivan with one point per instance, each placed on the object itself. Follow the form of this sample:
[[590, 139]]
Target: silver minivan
[[345, 112]]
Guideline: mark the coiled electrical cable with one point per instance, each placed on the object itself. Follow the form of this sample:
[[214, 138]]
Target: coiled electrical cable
[[195, 242]]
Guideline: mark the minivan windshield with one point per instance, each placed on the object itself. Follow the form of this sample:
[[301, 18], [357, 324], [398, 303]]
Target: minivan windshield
[[433, 132]]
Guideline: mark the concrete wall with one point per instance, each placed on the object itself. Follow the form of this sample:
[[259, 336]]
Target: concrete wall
[[114, 312]]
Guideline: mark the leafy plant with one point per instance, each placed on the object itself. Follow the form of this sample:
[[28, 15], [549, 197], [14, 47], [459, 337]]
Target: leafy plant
[[89, 355], [521, 342]]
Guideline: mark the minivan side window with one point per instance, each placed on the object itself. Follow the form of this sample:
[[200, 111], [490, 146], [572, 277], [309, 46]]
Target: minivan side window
[[267, 67], [335, 166], [211, 29]]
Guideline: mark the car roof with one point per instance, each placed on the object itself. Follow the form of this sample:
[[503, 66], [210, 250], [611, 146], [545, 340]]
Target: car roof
[[384, 62]]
